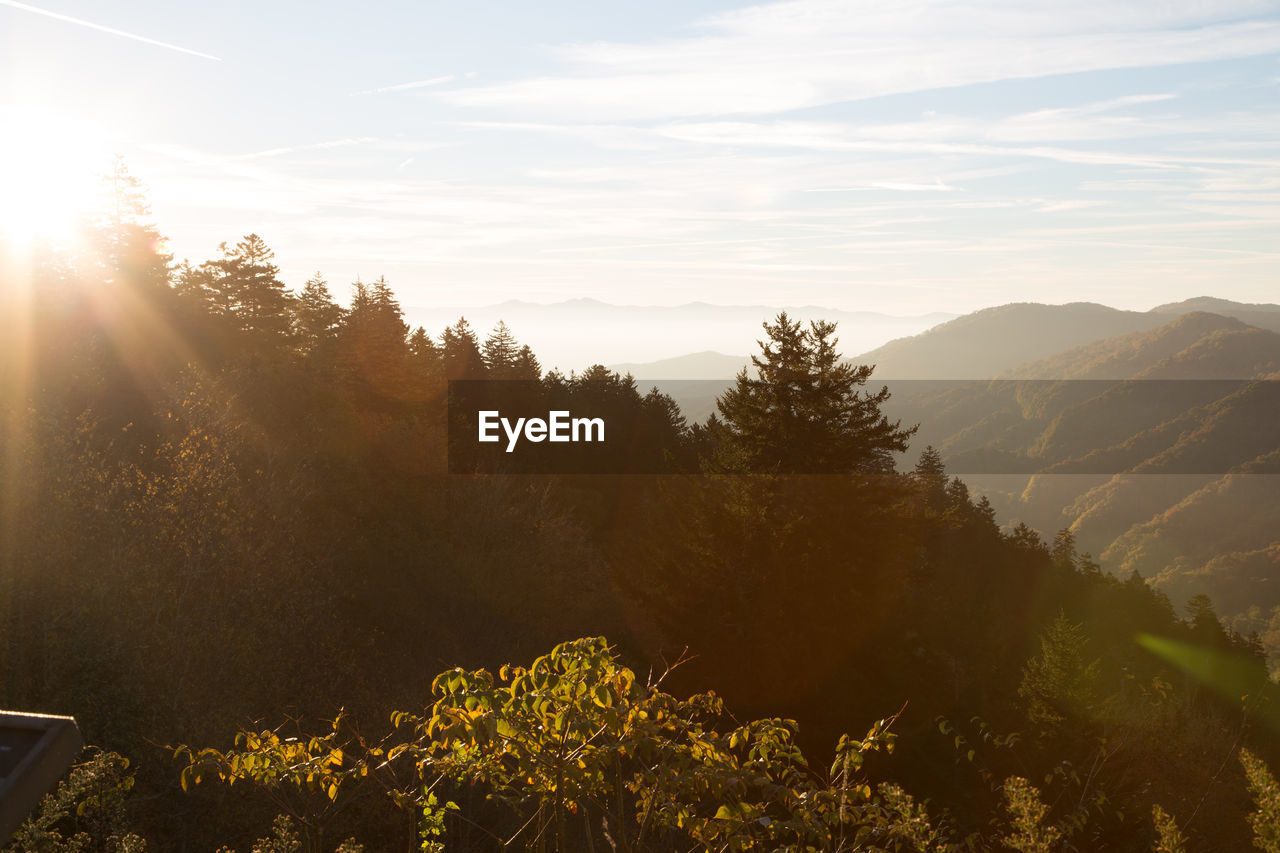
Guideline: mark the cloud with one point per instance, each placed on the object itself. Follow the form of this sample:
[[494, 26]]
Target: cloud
[[80, 22], [786, 56], [836, 137]]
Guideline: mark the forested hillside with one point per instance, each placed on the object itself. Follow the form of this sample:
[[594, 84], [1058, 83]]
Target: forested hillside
[[1156, 448], [226, 506]]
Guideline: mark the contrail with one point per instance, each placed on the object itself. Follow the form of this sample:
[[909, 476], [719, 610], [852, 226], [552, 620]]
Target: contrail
[[417, 84], [60, 17]]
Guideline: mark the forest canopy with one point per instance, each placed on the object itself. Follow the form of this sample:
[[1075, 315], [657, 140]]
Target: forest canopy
[[226, 508]]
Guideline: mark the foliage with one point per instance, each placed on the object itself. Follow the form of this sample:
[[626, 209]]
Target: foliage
[[1027, 812], [1265, 819], [1060, 682], [1169, 839], [309, 778], [576, 737], [86, 812]]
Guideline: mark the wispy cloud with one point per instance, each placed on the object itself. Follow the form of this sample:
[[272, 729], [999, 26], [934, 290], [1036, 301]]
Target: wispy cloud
[[404, 87], [80, 22], [671, 165], [791, 55], [831, 136]]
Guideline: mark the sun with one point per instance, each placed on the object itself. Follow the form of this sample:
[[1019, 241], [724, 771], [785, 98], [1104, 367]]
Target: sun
[[51, 173]]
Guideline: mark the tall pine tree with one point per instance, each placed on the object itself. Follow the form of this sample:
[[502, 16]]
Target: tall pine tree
[[805, 411]]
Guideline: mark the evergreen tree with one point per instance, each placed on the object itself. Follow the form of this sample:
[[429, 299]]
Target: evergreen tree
[[373, 338], [248, 289], [197, 285], [806, 412], [1059, 682], [315, 315], [931, 478], [130, 247], [424, 355], [1063, 551], [1026, 538], [461, 352], [1206, 627], [527, 366], [501, 353]]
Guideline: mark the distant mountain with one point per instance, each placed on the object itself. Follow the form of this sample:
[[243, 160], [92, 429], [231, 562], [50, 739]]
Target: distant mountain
[[1133, 355], [1264, 316], [986, 343], [698, 365], [1185, 546], [1017, 337], [578, 333], [1159, 448], [1121, 404]]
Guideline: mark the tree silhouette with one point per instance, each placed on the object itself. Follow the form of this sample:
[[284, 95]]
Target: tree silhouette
[[527, 366], [501, 353], [373, 338], [247, 288], [315, 315], [461, 353], [806, 411]]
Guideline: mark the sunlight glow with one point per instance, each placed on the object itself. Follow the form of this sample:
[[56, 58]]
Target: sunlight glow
[[51, 174]]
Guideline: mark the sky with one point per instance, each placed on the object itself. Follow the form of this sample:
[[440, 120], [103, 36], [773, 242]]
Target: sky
[[899, 157]]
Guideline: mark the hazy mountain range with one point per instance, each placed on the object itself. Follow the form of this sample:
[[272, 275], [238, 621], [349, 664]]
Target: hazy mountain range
[[577, 333], [1158, 448], [1154, 436], [983, 344]]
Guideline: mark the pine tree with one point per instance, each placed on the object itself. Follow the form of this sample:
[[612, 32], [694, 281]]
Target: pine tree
[[198, 284], [1027, 539], [1205, 624], [501, 353], [131, 248], [931, 478], [373, 339], [527, 366], [1059, 683], [315, 315], [806, 412], [461, 353], [423, 352], [1063, 551], [248, 288]]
